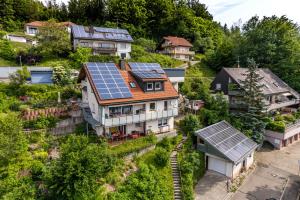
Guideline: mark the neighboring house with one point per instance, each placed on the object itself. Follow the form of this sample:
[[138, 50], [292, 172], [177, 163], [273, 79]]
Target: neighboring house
[[38, 75], [128, 100], [176, 47], [176, 76], [227, 150], [106, 41], [194, 105], [278, 95], [32, 28]]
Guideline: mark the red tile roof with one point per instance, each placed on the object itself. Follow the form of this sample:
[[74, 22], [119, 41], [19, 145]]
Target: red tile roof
[[43, 23], [138, 95], [178, 41]]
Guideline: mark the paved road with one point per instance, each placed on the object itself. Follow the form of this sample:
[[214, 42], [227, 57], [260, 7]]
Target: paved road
[[275, 171], [212, 186]]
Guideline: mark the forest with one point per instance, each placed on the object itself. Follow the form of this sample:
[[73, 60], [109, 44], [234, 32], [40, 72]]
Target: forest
[[273, 42]]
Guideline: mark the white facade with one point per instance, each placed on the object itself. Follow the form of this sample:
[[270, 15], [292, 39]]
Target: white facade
[[228, 168], [121, 49], [144, 117]]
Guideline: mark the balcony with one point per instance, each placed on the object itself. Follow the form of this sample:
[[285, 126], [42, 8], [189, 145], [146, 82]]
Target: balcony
[[278, 105], [104, 49], [142, 117]]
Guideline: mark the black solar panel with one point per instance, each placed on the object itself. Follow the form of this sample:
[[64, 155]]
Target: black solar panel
[[147, 74], [108, 81], [135, 66], [102, 33], [228, 140]]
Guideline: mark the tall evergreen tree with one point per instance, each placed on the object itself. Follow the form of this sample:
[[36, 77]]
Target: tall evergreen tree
[[253, 98]]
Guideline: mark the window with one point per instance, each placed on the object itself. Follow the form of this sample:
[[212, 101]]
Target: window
[[152, 106], [186, 57], [123, 46], [200, 141], [165, 105], [138, 125], [123, 55], [132, 85], [32, 30], [162, 122], [127, 110], [84, 44], [157, 85], [149, 86], [218, 86], [177, 56]]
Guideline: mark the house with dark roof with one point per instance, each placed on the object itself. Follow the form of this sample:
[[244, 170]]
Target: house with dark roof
[[278, 95], [176, 47], [227, 150], [32, 28], [105, 41], [128, 100]]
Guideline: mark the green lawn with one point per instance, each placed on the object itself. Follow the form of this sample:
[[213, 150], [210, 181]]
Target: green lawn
[[20, 46], [200, 70], [51, 62]]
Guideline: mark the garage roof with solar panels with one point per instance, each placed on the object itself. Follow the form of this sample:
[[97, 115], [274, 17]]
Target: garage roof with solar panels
[[230, 142], [100, 33]]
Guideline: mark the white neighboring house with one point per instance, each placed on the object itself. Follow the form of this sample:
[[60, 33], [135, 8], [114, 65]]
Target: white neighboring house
[[175, 75], [32, 28], [105, 41], [121, 101], [227, 150]]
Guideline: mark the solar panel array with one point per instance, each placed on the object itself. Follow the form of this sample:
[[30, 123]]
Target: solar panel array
[[102, 33], [108, 81], [147, 74], [136, 66], [229, 141]]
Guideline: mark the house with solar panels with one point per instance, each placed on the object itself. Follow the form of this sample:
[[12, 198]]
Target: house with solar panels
[[227, 150], [128, 100], [105, 41]]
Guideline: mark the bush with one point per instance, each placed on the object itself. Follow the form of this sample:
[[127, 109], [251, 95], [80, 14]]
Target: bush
[[135, 145], [161, 158], [37, 170], [278, 126], [165, 143], [40, 155], [41, 122], [6, 50], [289, 118], [149, 45]]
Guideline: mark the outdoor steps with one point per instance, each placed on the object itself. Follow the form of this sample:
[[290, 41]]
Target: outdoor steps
[[176, 172]]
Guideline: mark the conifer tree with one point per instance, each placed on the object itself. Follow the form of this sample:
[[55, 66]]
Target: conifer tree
[[253, 98]]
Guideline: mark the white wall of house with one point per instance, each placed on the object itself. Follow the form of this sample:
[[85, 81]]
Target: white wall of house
[[121, 47], [31, 30], [15, 38], [93, 104]]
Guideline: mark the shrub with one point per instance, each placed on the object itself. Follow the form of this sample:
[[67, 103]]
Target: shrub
[[40, 155], [278, 118], [289, 118], [165, 143], [161, 158], [135, 145], [37, 169], [103, 58], [6, 50], [278, 126]]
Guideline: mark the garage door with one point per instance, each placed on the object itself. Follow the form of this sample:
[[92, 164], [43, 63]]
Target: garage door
[[41, 77], [217, 165]]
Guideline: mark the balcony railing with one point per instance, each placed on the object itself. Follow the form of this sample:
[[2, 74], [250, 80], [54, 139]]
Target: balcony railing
[[278, 105], [104, 49], [136, 118]]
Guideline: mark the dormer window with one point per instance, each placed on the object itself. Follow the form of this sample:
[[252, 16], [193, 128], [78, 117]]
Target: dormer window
[[157, 85], [149, 86], [132, 85]]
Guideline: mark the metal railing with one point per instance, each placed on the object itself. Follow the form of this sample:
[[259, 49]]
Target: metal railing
[[277, 105], [136, 118], [292, 126]]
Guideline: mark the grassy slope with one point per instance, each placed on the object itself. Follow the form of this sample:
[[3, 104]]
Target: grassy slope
[[200, 70]]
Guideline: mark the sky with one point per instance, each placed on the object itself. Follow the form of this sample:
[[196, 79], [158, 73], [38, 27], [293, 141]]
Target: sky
[[231, 11]]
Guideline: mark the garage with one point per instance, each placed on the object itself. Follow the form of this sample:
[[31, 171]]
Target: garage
[[41, 77], [227, 150], [217, 165]]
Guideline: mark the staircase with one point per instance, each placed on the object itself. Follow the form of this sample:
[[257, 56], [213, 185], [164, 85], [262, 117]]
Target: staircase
[[176, 172]]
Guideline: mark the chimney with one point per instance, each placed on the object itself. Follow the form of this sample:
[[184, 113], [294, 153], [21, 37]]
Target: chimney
[[122, 64]]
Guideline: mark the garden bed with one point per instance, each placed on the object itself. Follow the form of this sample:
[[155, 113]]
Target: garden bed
[[280, 123]]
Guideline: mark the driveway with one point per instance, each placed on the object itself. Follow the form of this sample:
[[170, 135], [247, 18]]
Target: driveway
[[275, 176], [212, 186]]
